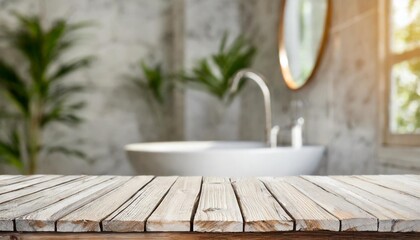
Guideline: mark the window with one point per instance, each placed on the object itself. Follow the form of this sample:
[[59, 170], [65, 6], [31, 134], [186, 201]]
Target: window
[[400, 35]]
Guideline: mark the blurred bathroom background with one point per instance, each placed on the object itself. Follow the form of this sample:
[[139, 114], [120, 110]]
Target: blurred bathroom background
[[343, 104]]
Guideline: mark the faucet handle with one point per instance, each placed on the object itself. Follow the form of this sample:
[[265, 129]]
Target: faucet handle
[[274, 132], [300, 121]]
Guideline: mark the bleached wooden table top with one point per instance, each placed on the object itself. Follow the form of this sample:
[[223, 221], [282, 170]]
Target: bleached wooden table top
[[110, 204]]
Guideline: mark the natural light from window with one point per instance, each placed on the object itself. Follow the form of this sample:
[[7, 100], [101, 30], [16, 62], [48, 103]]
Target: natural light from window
[[405, 72]]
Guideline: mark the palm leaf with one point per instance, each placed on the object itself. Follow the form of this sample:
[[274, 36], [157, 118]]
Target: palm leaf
[[10, 151], [65, 151], [223, 42], [28, 40], [14, 87], [41, 98], [214, 73], [61, 92], [154, 81], [70, 67], [62, 113]]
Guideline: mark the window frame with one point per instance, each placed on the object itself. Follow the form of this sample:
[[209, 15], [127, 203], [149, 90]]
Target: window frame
[[388, 58]]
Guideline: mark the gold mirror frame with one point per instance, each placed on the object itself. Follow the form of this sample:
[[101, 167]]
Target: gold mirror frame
[[283, 60]]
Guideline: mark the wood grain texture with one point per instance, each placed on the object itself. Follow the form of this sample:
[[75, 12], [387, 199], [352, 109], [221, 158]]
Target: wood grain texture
[[218, 209], [36, 188], [392, 195], [9, 211], [131, 216], [352, 218], [27, 181], [207, 205], [8, 179], [28, 199], [415, 178], [260, 210], [392, 217], [5, 177], [177, 208], [308, 215], [88, 217], [401, 183], [321, 235], [44, 219]]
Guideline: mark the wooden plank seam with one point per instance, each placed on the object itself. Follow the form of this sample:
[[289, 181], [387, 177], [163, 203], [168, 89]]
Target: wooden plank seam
[[299, 203], [308, 215], [134, 214], [340, 196], [157, 205], [281, 204], [105, 191], [197, 200], [340, 230], [240, 205], [130, 198]]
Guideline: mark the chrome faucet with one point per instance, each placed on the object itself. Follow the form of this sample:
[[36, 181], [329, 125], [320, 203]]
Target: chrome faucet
[[270, 133]]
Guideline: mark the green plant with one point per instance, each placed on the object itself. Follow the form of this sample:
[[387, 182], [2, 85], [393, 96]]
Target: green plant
[[37, 96], [407, 76], [154, 87], [214, 74], [154, 82]]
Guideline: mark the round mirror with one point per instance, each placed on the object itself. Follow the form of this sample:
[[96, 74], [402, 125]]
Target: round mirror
[[302, 35]]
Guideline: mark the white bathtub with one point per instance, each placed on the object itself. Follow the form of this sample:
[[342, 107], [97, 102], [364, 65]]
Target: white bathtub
[[222, 159]]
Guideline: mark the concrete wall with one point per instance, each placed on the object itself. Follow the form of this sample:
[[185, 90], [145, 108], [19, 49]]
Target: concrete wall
[[124, 32], [206, 117], [340, 102]]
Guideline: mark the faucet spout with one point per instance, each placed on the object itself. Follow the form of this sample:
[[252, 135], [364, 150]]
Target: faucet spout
[[260, 80]]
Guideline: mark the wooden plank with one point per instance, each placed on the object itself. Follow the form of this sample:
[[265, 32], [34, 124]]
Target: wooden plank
[[260, 210], [392, 202], [11, 180], [27, 181], [4, 179], [327, 235], [218, 210], [20, 201], [131, 216], [11, 210], [352, 218], [45, 218], [308, 215], [177, 208], [89, 217], [35, 188], [400, 183], [392, 217], [415, 178], [392, 195]]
